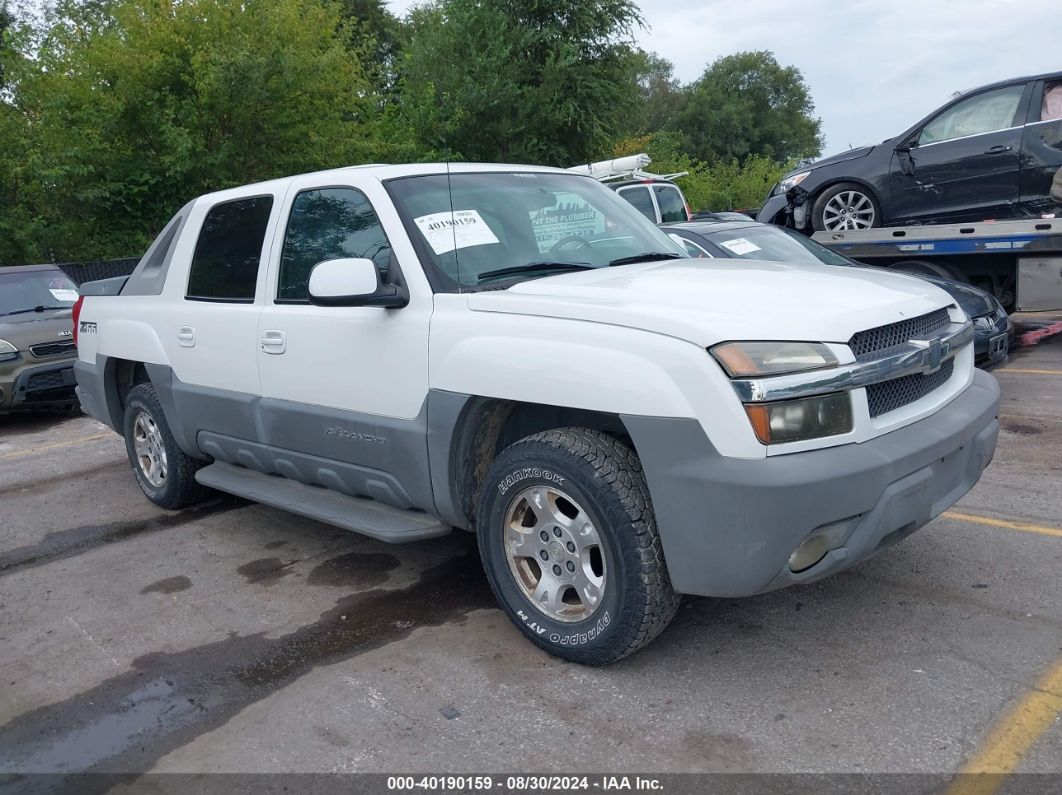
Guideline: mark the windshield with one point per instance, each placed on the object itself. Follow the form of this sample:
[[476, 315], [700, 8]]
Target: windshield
[[488, 230], [22, 291], [777, 245]]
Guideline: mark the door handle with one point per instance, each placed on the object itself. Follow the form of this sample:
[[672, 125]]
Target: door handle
[[998, 150], [186, 336], [274, 341]]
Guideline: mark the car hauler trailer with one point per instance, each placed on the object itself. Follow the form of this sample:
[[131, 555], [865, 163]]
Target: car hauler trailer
[[1019, 261]]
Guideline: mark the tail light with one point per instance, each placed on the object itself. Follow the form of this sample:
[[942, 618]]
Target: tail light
[[689, 215], [76, 313]]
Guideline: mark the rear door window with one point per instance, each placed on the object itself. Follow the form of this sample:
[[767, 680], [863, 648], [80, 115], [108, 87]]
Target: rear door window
[[229, 251], [672, 206], [639, 196]]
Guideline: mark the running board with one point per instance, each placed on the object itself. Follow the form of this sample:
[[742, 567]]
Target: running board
[[364, 516]]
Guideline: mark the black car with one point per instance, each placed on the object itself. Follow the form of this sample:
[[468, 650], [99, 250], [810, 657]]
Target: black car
[[989, 153], [723, 215], [993, 329]]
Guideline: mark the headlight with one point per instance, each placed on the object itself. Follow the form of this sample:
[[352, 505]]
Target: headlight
[[7, 351], [743, 359], [789, 183], [796, 420]]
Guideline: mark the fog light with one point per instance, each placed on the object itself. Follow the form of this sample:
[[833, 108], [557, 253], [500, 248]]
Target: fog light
[[809, 553], [820, 542], [806, 418]]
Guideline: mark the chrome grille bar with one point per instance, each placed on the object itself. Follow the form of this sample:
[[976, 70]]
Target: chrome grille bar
[[919, 355]]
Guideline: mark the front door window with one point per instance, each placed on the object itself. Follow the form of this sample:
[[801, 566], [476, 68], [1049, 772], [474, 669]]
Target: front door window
[[982, 113]]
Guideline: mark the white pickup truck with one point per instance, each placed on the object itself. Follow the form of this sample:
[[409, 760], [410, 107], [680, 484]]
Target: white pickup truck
[[516, 351]]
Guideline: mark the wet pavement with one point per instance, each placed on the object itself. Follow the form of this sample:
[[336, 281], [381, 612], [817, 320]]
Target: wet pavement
[[238, 638]]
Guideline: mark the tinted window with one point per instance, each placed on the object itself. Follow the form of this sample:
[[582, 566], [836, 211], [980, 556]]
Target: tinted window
[[983, 113], [641, 200], [329, 223], [225, 264], [672, 207]]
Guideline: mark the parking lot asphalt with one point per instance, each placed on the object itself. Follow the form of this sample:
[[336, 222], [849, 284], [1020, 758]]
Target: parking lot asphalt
[[238, 638]]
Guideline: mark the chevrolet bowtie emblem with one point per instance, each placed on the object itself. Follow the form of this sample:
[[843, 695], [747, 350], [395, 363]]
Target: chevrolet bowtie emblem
[[932, 355]]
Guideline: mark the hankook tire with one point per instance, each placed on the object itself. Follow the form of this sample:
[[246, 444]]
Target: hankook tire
[[570, 545]]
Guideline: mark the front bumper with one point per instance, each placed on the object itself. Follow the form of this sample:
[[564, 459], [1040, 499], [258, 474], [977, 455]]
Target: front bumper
[[774, 211], [992, 341], [729, 525], [31, 386]]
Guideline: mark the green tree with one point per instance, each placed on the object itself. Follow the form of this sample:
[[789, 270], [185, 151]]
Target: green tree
[[748, 104], [147, 104], [539, 81], [660, 93], [17, 226], [375, 31], [7, 21]]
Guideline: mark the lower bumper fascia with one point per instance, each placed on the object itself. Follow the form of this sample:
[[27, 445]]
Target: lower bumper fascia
[[728, 526]]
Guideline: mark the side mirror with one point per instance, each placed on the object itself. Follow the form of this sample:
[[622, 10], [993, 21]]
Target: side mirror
[[352, 281]]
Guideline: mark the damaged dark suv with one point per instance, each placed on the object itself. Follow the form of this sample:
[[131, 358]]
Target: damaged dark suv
[[37, 350], [989, 153]]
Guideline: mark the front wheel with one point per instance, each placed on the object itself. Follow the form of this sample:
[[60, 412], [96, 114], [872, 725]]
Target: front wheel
[[845, 206], [570, 546]]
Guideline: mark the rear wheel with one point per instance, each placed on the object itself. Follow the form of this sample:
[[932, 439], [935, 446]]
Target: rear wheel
[[165, 474], [569, 543], [845, 206]]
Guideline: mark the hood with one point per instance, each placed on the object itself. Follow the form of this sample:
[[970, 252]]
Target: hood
[[972, 300], [851, 154], [33, 328], [710, 301]]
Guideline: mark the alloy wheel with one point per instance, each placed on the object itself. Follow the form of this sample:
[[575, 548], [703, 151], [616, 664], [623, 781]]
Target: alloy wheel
[[849, 209], [555, 553], [150, 449]]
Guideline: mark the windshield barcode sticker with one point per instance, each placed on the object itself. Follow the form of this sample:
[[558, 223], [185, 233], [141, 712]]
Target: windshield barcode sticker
[[447, 231], [63, 294], [740, 246]]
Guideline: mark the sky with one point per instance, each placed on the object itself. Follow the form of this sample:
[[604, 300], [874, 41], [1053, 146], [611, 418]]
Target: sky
[[874, 67]]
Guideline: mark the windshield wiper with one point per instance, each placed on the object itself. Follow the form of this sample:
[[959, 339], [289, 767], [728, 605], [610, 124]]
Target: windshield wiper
[[647, 257], [35, 309], [534, 267]]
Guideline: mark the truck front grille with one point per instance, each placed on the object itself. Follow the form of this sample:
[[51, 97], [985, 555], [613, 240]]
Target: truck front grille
[[51, 349], [890, 395], [870, 344]]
